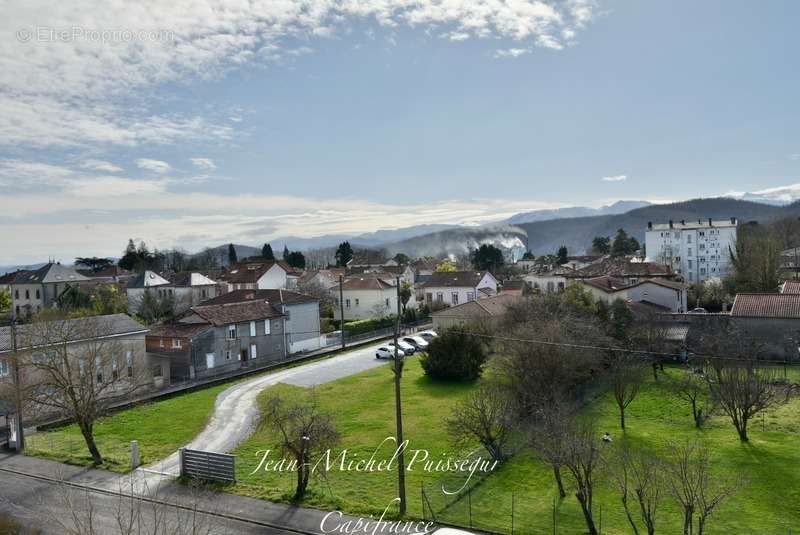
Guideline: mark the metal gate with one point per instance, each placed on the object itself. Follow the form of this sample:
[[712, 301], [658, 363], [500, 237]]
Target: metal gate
[[208, 466]]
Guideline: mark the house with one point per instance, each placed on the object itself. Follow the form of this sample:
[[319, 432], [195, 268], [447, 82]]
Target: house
[[323, 278], [300, 311], [108, 274], [696, 250], [489, 309], [118, 338], [580, 262], [185, 290], [259, 274], [364, 297], [660, 295], [551, 281], [629, 271], [33, 290], [456, 287], [425, 266], [790, 287], [525, 266], [387, 273], [772, 320], [221, 338]]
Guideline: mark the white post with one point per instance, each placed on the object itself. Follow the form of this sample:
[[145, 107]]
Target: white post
[[134, 454]]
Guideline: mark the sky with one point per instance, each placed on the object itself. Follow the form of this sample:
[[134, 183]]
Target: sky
[[198, 122]]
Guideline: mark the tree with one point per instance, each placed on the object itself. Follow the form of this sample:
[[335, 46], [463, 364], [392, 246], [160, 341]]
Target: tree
[[620, 319], [296, 259], [562, 255], [581, 458], [528, 256], [5, 301], [487, 257], [344, 254], [130, 258], [401, 259], [285, 254], [94, 263], [232, 258], [72, 298], [405, 294], [153, 308], [266, 252], [692, 485], [77, 369], [692, 389], [446, 266], [108, 299], [625, 374], [454, 356], [624, 245], [601, 244], [485, 417], [305, 433], [756, 260], [639, 475]]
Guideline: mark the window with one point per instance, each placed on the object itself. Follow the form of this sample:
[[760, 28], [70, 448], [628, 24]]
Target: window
[[160, 341], [253, 351], [227, 354], [690, 252], [454, 298], [252, 328], [690, 264], [129, 362], [16, 294], [210, 360], [38, 294], [231, 332], [157, 371], [357, 302], [267, 329], [99, 370], [114, 370], [387, 303], [4, 368], [439, 297], [471, 295], [204, 293], [177, 343], [688, 238], [27, 294], [347, 303]]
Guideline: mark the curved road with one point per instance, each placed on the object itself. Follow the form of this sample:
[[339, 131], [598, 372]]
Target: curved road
[[236, 414]]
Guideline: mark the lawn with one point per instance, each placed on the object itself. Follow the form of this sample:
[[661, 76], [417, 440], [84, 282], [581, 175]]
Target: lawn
[[364, 409], [161, 427]]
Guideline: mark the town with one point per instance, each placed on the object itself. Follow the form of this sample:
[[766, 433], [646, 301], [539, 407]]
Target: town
[[532, 344]]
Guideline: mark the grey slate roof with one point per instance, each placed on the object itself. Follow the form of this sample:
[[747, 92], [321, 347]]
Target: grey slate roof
[[110, 325], [49, 273], [273, 296], [455, 279], [786, 306]]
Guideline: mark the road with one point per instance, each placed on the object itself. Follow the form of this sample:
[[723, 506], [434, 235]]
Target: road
[[236, 414]]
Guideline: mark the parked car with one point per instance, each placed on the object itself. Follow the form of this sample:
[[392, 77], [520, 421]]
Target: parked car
[[419, 343], [427, 335], [698, 311], [405, 347], [387, 353]]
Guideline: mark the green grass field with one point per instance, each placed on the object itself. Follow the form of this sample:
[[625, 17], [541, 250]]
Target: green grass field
[[161, 427], [364, 409]]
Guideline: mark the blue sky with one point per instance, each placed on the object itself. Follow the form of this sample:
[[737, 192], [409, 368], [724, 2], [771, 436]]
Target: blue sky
[[263, 119]]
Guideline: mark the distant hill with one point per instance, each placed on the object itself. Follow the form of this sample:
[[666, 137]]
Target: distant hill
[[577, 233], [619, 207]]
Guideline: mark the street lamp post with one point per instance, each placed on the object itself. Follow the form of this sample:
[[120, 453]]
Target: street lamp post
[[20, 437], [398, 374]]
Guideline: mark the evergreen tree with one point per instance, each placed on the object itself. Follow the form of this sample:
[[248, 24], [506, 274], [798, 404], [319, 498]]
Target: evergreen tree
[[232, 258], [623, 244], [286, 253], [561, 255], [296, 259], [487, 257], [344, 254], [601, 244], [267, 253]]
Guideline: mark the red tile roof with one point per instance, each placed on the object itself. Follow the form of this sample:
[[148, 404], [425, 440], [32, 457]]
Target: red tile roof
[[767, 306], [363, 283], [790, 287]]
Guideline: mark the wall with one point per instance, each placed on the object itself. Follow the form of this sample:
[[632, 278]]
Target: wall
[[270, 348], [303, 326], [369, 304], [273, 279]]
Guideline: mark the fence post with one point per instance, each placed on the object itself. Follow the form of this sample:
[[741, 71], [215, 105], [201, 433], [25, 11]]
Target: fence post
[[469, 503], [601, 520], [134, 454], [554, 517], [512, 513], [182, 462]]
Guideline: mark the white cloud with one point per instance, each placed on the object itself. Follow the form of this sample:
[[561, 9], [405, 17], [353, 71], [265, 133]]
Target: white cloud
[[794, 157], [79, 90], [511, 52], [203, 163], [615, 178], [155, 166], [100, 165]]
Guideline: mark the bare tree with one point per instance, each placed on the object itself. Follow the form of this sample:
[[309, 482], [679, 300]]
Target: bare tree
[[547, 439], [639, 476], [743, 390], [694, 487], [581, 458], [693, 389], [304, 432], [649, 333], [76, 368], [625, 375], [486, 416]]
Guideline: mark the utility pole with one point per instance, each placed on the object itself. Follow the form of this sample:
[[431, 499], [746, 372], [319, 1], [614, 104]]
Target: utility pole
[[341, 307], [398, 374], [20, 442]]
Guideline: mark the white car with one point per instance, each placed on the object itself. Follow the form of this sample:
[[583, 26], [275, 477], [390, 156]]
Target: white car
[[417, 341], [386, 353], [405, 347], [428, 335]]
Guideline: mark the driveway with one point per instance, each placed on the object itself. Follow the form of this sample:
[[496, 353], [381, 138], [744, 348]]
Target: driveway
[[236, 414]]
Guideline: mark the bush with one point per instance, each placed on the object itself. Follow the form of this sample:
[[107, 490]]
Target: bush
[[454, 357], [354, 328]]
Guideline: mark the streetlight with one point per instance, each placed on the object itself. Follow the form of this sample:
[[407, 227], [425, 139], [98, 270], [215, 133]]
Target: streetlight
[[398, 374]]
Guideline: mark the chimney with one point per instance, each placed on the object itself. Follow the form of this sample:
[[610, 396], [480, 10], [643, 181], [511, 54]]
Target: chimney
[[683, 222], [733, 221], [649, 225], [710, 223], [670, 223]]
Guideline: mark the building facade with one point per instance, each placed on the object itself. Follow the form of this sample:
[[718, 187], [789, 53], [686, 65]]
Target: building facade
[[696, 250], [31, 291], [457, 287]]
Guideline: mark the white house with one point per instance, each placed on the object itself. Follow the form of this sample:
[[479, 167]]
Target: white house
[[259, 275], [669, 295], [186, 290], [456, 287], [698, 250], [33, 290], [547, 282], [365, 297]]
